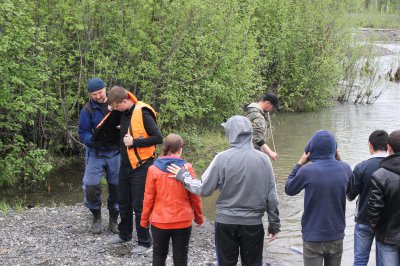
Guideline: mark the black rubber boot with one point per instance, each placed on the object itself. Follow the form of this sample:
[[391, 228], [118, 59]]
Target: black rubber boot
[[97, 226], [113, 221]]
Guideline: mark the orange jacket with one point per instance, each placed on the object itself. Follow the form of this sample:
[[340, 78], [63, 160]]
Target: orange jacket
[[138, 155], [167, 202]]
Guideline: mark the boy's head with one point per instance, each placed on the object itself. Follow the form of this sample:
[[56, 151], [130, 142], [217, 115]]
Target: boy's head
[[118, 99], [394, 142], [378, 140], [172, 145]]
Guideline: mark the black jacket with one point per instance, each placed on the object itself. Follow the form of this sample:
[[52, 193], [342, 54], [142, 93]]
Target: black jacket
[[384, 202], [360, 185]]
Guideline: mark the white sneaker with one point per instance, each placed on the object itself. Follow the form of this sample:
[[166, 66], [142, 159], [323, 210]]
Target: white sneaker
[[141, 250]]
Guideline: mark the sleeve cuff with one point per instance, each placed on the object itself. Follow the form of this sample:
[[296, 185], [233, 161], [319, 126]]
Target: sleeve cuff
[[260, 143]]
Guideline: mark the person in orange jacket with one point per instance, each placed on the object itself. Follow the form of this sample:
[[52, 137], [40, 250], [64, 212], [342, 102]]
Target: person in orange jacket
[[168, 206]]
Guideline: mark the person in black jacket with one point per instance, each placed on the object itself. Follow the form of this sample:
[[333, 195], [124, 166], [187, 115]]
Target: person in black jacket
[[384, 204], [360, 185], [139, 136]]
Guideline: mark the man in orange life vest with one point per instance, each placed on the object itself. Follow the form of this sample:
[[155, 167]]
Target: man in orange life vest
[[139, 137]]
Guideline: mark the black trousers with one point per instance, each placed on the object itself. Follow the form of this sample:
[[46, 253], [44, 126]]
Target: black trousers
[[230, 239], [180, 245], [131, 193]]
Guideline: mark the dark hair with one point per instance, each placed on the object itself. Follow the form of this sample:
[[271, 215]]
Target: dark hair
[[117, 94], [172, 144], [394, 141], [379, 140]]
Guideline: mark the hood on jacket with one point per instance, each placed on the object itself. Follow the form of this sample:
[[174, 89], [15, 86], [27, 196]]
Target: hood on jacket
[[239, 131], [162, 162], [253, 107], [392, 163], [322, 145]]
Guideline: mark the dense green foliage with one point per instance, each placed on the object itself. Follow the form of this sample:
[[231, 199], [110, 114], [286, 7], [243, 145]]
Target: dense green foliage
[[300, 48], [24, 104], [196, 61]]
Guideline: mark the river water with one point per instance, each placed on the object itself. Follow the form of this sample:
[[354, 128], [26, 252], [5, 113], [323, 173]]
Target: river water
[[351, 124]]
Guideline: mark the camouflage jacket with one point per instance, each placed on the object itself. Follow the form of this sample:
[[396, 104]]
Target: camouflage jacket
[[259, 120]]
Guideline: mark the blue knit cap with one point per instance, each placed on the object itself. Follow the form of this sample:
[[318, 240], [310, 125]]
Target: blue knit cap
[[95, 84]]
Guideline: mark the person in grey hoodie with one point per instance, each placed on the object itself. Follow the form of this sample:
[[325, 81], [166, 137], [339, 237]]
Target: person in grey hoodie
[[246, 182]]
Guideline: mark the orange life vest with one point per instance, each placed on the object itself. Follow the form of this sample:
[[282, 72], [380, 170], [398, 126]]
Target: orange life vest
[[138, 155]]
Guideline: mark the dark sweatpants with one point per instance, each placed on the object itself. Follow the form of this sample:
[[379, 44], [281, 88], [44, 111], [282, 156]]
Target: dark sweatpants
[[131, 193], [180, 245], [230, 239]]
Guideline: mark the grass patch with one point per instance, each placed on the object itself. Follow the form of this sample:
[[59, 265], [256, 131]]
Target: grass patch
[[200, 148], [17, 206], [4, 207], [375, 19]]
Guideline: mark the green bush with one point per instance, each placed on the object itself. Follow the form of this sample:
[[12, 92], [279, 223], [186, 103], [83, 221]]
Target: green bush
[[196, 61], [22, 100], [300, 50]]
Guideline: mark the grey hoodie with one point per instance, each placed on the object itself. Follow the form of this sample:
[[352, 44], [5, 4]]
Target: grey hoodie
[[244, 177]]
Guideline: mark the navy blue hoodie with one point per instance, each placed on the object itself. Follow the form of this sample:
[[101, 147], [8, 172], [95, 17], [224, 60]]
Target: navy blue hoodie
[[324, 180]]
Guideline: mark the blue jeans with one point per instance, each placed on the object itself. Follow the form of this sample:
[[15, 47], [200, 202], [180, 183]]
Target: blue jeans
[[363, 238], [98, 164], [388, 255]]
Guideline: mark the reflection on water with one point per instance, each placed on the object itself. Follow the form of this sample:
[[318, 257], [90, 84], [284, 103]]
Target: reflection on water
[[63, 187]]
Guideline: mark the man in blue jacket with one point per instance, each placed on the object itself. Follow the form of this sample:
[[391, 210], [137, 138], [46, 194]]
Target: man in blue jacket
[[324, 180], [100, 158], [360, 185]]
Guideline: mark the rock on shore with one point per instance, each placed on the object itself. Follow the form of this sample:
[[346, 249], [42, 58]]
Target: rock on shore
[[60, 236]]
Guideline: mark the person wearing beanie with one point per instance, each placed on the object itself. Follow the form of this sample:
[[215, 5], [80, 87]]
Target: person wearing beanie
[[258, 114], [100, 158]]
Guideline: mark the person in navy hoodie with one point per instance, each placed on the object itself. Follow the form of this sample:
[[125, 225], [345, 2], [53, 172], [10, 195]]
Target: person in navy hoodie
[[324, 178]]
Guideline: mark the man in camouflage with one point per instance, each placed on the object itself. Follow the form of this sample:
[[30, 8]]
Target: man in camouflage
[[257, 113]]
